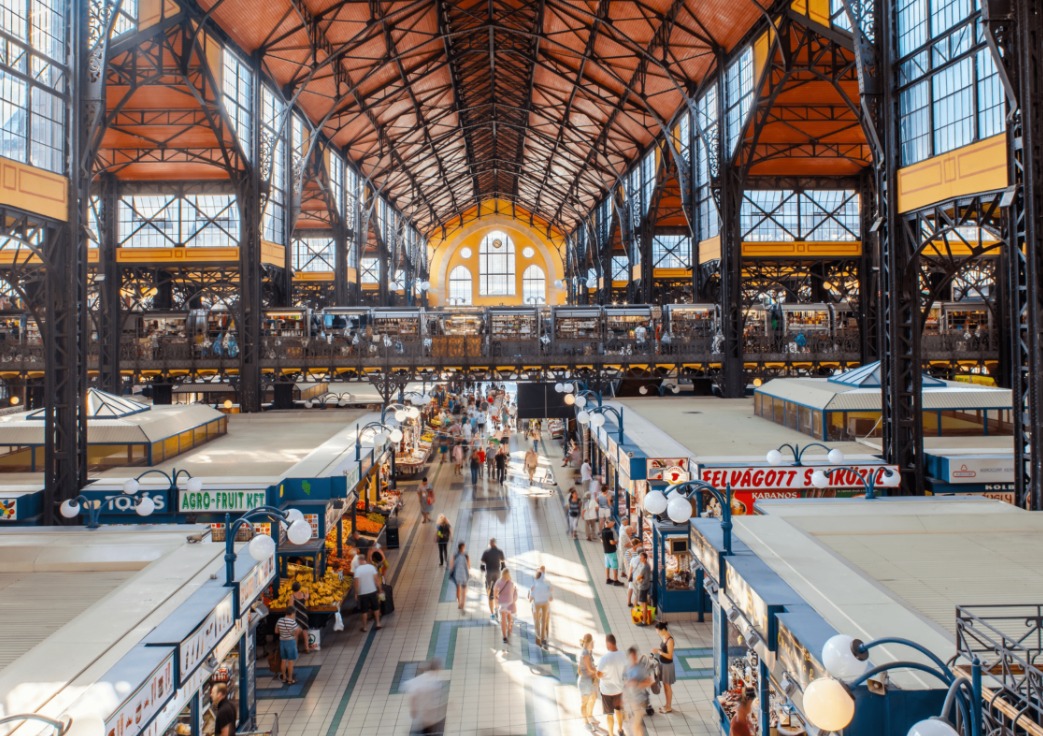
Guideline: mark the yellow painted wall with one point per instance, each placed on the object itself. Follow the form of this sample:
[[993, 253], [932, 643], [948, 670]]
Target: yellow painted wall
[[444, 254], [34, 190], [979, 167]]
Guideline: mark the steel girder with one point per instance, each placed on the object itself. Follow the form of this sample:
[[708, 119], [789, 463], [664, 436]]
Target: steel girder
[[107, 282], [1014, 30]]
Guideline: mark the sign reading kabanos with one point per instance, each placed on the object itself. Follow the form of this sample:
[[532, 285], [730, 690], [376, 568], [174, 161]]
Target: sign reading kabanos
[[220, 501], [797, 478]]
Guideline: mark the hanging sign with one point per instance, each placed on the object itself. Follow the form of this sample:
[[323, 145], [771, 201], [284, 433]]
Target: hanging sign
[[8, 509], [792, 478], [251, 586], [219, 502], [146, 702], [673, 470], [202, 641]]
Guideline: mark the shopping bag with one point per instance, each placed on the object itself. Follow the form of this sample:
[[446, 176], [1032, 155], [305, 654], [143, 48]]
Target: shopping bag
[[338, 622], [313, 640]]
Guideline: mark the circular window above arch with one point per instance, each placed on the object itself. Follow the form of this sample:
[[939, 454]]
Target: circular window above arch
[[528, 252], [497, 243], [465, 253]]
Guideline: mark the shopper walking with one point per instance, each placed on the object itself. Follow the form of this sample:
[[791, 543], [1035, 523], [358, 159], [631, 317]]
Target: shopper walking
[[667, 670], [590, 516], [642, 580], [367, 592], [427, 500], [224, 712], [443, 533], [287, 629], [585, 472], [587, 680], [475, 464], [501, 463], [608, 546], [460, 574], [532, 462], [637, 680], [506, 594], [493, 561], [534, 435], [611, 669], [458, 458], [541, 595], [572, 512], [299, 604], [427, 703], [740, 722]]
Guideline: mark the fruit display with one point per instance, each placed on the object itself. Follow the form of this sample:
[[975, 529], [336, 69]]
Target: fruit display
[[325, 594], [370, 524]]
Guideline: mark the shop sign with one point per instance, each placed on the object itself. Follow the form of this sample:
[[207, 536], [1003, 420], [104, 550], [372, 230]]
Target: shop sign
[[251, 586], [333, 516], [794, 478], [706, 554], [673, 470], [145, 703], [119, 503], [976, 469], [743, 596], [744, 502], [313, 522], [175, 706], [8, 509], [795, 658], [204, 639], [196, 502], [351, 477]]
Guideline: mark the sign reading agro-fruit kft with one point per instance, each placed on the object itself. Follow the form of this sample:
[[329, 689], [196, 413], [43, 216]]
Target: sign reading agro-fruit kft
[[219, 502]]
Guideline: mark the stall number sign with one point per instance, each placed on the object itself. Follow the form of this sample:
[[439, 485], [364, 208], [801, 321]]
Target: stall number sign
[[8, 509], [146, 702], [220, 501], [798, 478], [202, 641]]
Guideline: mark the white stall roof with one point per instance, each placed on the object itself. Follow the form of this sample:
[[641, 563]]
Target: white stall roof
[[828, 395], [899, 567]]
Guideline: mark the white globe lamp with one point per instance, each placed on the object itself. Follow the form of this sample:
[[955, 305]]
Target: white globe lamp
[[828, 705], [597, 420], [655, 502], [69, 509], [307, 404], [643, 390], [835, 456], [413, 413], [567, 388], [261, 547], [395, 435], [774, 457], [819, 479], [400, 415], [679, 509], [294, 515], [131, 486], [933, 727], [195, 485], [559, 387], [145, 506], [299, 532], [583, 417], [840, 660], [569, 399], [581, 401]]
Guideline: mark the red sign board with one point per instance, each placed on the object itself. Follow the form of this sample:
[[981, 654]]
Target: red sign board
[[792, 478]]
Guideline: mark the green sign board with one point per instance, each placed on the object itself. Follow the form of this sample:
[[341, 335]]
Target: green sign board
[[201, 502]]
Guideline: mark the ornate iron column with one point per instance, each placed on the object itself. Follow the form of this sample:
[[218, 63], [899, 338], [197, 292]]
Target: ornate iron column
[[1014, 30], [110, 317]]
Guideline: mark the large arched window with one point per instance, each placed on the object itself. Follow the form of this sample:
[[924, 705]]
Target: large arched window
[[534, 286], [496, 265], [460, 286]]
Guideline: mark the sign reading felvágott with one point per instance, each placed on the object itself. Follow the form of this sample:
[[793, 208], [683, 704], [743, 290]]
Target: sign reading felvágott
[[797, 478], [220, 501]]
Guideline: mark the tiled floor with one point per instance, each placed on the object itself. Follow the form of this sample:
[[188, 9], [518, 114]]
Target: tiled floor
[[492, 688]]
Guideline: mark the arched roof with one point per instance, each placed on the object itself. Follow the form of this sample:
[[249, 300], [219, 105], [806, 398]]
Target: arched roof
[[445, 104]]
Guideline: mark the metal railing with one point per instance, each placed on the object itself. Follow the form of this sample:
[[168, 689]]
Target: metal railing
[[1008, 641]]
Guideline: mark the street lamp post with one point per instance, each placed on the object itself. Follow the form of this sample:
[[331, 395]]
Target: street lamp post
[[596, 418], [145, 506], [679, 507], [829, 705], [262, 546], [774, 457]]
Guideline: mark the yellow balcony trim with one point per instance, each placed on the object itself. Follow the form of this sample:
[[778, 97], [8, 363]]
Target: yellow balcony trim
[[979, 167]]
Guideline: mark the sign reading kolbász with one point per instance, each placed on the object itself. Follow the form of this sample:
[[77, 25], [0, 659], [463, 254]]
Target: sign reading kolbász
[[220, 501]]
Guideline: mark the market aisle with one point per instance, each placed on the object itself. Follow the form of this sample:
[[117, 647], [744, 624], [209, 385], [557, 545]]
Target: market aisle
[[491, 689]]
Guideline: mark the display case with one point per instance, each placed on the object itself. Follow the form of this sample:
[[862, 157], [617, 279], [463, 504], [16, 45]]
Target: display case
[[807, 318], [287, 322], [462, 322], [621, 324], [348, 319], [688, 321], [403, 323], [577, 330], [678, 577]]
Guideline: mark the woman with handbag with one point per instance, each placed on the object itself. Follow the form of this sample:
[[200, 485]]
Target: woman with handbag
[[667, 671], [443, 533], [587, 681], [460, 573]]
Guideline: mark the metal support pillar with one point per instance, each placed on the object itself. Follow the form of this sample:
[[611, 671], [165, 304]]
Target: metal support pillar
[[729, 199], [249, 190], [1014, 30], [340, 263], [108, 281], [868, 274]]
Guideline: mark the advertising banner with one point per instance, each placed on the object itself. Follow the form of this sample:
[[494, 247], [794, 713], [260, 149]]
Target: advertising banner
[[793, 478]]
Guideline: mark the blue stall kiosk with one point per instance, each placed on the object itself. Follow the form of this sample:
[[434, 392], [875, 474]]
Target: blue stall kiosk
[[806, 574], [21, 505]]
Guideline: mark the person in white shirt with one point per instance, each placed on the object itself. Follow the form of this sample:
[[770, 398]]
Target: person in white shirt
[[595, 486], [640, 334], [611, 668], [590, 516], [367, 590], [427, 701], [541, 595], [585, 472]]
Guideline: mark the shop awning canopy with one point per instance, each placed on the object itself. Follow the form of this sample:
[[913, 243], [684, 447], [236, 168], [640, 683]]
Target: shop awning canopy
[[868, 376]]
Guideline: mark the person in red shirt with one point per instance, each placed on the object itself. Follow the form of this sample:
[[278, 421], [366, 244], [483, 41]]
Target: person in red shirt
[[481, 460], [740, 723]]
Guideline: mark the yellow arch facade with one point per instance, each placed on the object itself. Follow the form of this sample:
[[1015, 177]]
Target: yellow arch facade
[[446, 253]]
